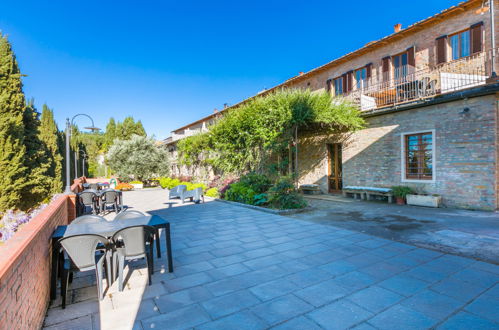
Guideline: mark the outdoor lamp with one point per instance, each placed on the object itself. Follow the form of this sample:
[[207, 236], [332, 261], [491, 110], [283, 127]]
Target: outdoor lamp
[[69, 125]]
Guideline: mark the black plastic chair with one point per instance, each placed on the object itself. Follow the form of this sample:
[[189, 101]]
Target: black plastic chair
[[89, 218], [82, 255], [129, 214], [109, 197], [132, 214], [133, 243], [90, 198]]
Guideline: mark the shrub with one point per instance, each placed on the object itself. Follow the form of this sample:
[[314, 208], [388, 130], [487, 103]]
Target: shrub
[[283, 196], [212, 192], [198, 185], [187, 184], [124, 186], [261, 199], [136, 182], [173, 183], [240, 192], [259, 183], [401, 191], [226, 185], [168, 183], [163, 182]]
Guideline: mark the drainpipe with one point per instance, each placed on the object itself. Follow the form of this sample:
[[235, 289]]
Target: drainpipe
[[493, 38], [296, 156]]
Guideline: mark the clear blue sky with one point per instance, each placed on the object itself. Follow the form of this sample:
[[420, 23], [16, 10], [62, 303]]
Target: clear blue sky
[[169, 63]]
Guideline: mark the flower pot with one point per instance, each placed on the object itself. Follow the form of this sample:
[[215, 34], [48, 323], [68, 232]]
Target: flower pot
[[400, 200], [424, 200], [137, 185]]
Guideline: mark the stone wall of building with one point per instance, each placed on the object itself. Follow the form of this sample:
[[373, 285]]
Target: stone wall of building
[[466, 152], [423, 40]]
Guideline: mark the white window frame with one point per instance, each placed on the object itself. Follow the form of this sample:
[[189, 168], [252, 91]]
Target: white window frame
[[433, 155]]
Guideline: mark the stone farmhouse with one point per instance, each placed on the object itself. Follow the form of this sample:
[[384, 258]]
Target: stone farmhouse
[[428, 93]]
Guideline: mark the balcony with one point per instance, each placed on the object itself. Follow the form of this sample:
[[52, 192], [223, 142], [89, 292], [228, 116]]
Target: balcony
[[410, 85]]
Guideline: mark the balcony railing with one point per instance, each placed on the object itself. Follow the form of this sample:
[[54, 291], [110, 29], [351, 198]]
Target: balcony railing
[[408, 84]]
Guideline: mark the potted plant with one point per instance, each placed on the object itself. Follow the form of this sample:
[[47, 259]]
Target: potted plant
[[400, 193], [424, 200], [124, 186], [137, 184]]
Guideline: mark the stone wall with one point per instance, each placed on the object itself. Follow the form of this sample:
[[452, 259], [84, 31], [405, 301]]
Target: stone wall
[[423, 40], [466, 152]]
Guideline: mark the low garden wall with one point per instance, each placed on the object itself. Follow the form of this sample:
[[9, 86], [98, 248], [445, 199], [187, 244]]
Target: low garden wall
[[25, 267]]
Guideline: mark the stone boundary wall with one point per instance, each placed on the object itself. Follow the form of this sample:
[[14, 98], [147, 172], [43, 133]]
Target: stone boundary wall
[[25, 267]]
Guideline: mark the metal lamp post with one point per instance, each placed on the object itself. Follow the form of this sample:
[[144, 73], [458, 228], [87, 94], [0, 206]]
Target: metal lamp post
[[83, 161], [76, 165], [69, 124]]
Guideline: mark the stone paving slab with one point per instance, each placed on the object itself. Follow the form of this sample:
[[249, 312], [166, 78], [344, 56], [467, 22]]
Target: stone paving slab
[[473, 234], [238, 268]]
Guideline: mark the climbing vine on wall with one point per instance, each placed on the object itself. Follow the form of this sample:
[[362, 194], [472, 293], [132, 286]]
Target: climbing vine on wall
[[252, 136]]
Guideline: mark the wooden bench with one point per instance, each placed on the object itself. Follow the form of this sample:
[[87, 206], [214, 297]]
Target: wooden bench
[[367, 192]]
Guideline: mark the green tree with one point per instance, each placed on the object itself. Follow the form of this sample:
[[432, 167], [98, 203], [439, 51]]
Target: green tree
[[38, 181], [139, 129], [110, 133], [12, 150], [138, 158], [93, 145], [49, 134], [128, 128], [259, 135], [61, 143]]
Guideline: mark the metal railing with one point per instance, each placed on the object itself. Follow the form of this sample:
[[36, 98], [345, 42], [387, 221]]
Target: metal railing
[[408, 84]]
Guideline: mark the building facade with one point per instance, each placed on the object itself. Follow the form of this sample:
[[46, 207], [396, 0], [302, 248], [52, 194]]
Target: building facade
[[428, 94]]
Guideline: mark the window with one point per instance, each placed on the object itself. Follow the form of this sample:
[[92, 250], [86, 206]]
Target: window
[[400, 65], [418, 156], [338, 86], [361, 78], [460, 44]]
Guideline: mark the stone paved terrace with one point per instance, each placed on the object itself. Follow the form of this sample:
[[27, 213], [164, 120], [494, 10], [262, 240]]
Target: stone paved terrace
[[237, 268]]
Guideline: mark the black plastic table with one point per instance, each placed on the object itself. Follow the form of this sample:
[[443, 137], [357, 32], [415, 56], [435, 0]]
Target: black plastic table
[[107, 229]]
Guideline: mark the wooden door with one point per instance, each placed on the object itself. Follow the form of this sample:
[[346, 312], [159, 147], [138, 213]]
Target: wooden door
[[335, 173]]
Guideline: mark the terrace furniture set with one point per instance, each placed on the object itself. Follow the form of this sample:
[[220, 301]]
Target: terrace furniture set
[[91, 242], [180, 191], [99, 200], [96, 186]]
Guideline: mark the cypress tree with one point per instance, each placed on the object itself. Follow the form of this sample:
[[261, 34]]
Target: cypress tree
[[139, 129], [12, 150], [38, 183], [127, 128], [61, 143], [49, 134], [110, 134]]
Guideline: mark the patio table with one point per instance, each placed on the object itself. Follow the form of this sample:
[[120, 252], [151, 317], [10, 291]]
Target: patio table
[[107, 229]]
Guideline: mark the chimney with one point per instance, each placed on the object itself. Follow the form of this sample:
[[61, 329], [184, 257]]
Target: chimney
[[226, 105], [301, 73], [215, 110], [397, 27]]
